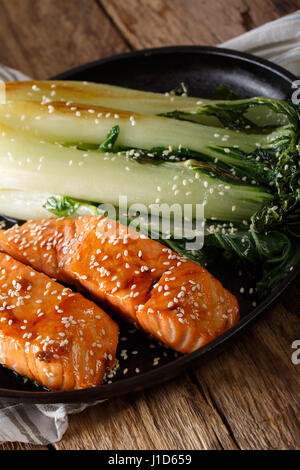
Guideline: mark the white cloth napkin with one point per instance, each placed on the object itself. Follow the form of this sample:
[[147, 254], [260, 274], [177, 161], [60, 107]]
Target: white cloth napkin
[[10, 75], [278, 41], [35, 424]]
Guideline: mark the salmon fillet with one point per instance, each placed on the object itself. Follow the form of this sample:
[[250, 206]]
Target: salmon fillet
[[175, 300], [55, 337]]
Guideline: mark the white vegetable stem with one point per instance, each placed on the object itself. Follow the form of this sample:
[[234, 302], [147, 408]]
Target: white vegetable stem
[[99, 94], [102, 95], [73, 125], [29, 164]]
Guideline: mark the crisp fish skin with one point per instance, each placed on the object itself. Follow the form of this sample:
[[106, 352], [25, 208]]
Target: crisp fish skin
[[50, 334], [175, 300]]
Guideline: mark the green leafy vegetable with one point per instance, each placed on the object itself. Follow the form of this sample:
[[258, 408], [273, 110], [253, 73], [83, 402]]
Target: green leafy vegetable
[[269, 258], [64, 206], [108, 144], [224, 93], [235, 114]]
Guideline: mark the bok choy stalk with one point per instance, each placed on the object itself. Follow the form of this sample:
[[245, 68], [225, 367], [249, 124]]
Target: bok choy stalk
[[269, 159], [79, 125], [33, 205], [29, 164], [95, 94], [182, 107], [252, 156]]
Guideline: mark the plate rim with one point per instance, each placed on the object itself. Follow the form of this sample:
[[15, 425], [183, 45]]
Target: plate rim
[[166, 372], [210, 50]]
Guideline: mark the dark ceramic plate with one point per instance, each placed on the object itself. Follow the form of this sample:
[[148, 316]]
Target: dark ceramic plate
[[143, 362]]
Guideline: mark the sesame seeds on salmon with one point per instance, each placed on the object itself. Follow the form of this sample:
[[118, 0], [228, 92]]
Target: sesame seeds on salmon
[[175, 300], [50, 334]]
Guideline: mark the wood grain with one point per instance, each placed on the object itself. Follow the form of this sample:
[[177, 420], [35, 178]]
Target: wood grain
[[19, 446], [43, 38], [172, 416], [255, 385], [154, 23]]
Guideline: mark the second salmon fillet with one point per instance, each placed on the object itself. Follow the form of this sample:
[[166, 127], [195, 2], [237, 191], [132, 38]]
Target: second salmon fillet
[[175, 300], [50, 334]]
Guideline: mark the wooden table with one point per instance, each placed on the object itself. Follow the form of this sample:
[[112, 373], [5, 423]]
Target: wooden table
[[246, 398]]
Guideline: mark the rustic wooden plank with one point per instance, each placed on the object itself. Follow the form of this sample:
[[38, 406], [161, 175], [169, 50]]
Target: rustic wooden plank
[[20, 446], [172, 416], [45, 38], [154, 23], [255, 385]]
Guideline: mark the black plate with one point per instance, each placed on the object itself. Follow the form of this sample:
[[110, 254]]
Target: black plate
[[203, 69]]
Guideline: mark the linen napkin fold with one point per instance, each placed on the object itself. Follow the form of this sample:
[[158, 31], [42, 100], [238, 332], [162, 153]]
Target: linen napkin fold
[[278, 41], [10, 75], [35, 424]]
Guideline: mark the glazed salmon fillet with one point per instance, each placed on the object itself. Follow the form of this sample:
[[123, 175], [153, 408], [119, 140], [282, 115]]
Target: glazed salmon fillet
[[175, 300], [49, 334]]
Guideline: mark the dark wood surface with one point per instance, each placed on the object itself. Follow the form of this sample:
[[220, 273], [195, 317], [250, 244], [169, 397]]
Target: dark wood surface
[[246, 397]]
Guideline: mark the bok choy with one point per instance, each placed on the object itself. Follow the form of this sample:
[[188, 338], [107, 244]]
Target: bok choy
[[28, 164], [143, 102]]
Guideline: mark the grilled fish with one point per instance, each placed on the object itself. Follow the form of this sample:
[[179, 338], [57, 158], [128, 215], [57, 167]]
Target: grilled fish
[[55, 337], [175, 300]]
